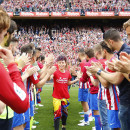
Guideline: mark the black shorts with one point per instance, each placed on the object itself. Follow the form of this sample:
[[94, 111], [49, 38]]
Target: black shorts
[[6, 124]]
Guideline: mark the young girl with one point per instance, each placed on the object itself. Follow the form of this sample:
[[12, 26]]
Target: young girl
[[61, 78]]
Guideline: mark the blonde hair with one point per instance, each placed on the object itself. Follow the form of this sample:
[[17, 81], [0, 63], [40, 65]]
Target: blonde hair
[[4, 20], [126, 24]]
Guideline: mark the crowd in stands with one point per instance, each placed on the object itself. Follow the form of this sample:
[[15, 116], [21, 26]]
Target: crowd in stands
[[62, 38], [63, 6], [100, 5]]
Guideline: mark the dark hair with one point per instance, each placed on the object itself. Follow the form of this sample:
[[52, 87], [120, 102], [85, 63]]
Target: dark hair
[[32, 44], [89, 52], [1, 1], [10, 41], [104, 46], [14, 39], [13, 27], [38, 58], [61, 58], [81, 51], [112, 34], [38, 49], [27, 49], [42, 58], [34, 53]]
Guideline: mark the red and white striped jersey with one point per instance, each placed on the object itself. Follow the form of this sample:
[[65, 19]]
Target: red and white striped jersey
[[101, 92], [112, 94], [112, 97], [33, 79], [83, 85]]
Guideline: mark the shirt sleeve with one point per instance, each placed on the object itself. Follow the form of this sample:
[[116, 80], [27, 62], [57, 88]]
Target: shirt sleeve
[[34, 78], [13, 92]]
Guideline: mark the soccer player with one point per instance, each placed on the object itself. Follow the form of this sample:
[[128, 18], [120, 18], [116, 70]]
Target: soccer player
[[93, 89], [113, 39], [40, 62], [62, 79], [19, 120], [83, 90], [101, 93], [112, 91], [12, 79], [6, 112]]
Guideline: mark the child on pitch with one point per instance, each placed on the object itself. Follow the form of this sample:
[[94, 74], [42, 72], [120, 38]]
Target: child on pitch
[[62, 79]]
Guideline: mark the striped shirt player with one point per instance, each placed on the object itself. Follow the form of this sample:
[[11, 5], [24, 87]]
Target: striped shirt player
[[93, 92], [101, 91], [20, 119], [83, 87], [32, 80], [83, 95], [102, 102], [112, 101]]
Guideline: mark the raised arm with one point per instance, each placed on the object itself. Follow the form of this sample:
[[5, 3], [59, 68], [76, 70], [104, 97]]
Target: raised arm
[[15, 95], [13, 92], [47, 76], [72, 82]]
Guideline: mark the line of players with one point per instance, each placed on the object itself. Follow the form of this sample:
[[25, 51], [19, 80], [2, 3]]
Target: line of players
[[103, 86]]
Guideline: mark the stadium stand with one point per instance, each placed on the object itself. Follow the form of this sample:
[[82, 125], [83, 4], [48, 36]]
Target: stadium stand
[[66, 37], [63, 6]]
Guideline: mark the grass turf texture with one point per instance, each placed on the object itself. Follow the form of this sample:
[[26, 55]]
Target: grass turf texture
[[45, 114]]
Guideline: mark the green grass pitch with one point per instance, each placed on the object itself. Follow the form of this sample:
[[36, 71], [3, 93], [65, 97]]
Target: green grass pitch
[[45, 114]]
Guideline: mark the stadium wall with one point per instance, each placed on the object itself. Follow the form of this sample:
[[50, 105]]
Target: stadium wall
[[70, 15]]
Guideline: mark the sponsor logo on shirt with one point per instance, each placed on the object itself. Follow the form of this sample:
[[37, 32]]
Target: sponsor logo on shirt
[[62, 80], [19, 92]]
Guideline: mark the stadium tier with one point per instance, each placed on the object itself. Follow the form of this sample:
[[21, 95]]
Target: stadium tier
[[60, 8]]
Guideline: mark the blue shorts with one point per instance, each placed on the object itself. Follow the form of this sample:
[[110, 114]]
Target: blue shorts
[[113, 119], [38, 98], [83, 95], [27, 127], [32, 108], [18, 119], [27, 115], [94, 101]]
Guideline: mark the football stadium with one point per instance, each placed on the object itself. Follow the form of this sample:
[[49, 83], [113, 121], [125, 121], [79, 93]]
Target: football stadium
[[65, 64]]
